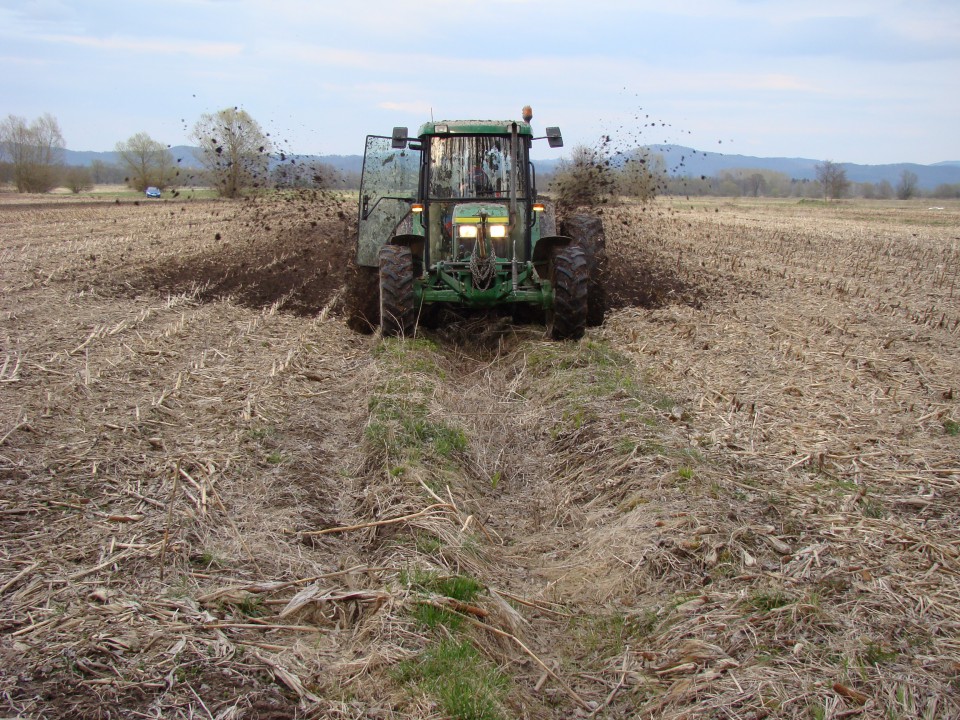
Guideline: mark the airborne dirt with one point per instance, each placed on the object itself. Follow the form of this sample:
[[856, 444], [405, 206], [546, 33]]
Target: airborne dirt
[[734, 499]]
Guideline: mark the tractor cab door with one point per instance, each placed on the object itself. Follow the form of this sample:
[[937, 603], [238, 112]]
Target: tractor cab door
[[388, 185]]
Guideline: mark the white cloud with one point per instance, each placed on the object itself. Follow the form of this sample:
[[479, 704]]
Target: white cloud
[[21, 61], [152, 46], [414, 108]]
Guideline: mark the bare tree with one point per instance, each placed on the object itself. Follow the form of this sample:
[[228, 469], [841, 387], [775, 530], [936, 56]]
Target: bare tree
[[35, 151], [907, 187], [833, 178], [234, 150], [78, 178], [146, 161], [103, 173]]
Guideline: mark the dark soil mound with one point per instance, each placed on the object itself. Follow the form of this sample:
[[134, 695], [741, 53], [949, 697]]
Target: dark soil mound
[[268, 254], [643, 280]]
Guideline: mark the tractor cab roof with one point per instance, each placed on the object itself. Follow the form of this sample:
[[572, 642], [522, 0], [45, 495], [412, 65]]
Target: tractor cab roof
[[474, 127]]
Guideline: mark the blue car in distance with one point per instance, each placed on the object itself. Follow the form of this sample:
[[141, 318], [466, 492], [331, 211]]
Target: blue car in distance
[[153, 192]]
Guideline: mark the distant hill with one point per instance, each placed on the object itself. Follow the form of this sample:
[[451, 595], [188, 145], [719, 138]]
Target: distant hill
[[684, 161], [85, 158], [681, 161]]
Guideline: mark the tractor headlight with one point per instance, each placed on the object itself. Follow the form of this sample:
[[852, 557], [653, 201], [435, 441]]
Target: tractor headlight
[[497, 231], [467, 231]]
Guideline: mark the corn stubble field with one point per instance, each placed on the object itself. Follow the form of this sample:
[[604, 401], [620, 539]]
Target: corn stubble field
[[736, 499]]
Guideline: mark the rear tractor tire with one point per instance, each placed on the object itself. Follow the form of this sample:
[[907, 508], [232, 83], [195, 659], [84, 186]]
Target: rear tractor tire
[[587, 233], [570, 276], [398, 311]]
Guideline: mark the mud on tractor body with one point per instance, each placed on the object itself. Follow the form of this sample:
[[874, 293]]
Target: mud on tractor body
[[451, 217]]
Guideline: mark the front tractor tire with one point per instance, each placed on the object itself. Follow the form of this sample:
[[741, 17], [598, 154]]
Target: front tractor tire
[[398, 311], [570, 276]]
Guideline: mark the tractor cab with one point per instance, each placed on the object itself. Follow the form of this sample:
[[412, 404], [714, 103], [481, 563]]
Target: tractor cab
[[445, 184]]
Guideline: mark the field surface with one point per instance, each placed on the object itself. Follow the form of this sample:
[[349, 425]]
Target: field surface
[[738, 498]]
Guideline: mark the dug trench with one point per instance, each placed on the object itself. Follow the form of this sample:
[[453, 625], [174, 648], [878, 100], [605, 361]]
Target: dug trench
[[518, 482]]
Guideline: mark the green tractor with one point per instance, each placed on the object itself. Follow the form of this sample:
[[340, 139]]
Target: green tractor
[[452, 217]]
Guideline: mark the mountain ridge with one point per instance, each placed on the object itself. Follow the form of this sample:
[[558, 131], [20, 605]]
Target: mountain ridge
[[689, 162]]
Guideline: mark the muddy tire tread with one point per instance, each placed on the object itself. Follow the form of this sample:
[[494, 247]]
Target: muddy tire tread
[[397, 301], [570, 275], [588, 234]]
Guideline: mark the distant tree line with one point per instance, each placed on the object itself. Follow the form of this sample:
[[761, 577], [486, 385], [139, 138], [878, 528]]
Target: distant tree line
[[592, 176], [831, 183], [236, 154]]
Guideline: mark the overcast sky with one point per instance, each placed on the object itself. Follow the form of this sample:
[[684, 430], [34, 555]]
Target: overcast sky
[[865, 81]]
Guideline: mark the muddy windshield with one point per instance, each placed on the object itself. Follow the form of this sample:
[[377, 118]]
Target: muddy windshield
[[471, 167]]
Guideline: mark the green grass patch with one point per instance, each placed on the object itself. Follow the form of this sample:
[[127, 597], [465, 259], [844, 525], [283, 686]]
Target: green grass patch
[[416, 355], [876, 654], [464, 684], [259, 433], [601, 637], [399, 406], [433, 617], [585, 379], [427, 544], [589, 370], [458, 587], [402, 425], [872, 508], [767, 600], [252, 606], [951, 427], [204, 560]]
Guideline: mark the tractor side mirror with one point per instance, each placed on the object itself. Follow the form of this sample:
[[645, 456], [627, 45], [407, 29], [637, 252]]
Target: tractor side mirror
[[399, 138], [554, 138]]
